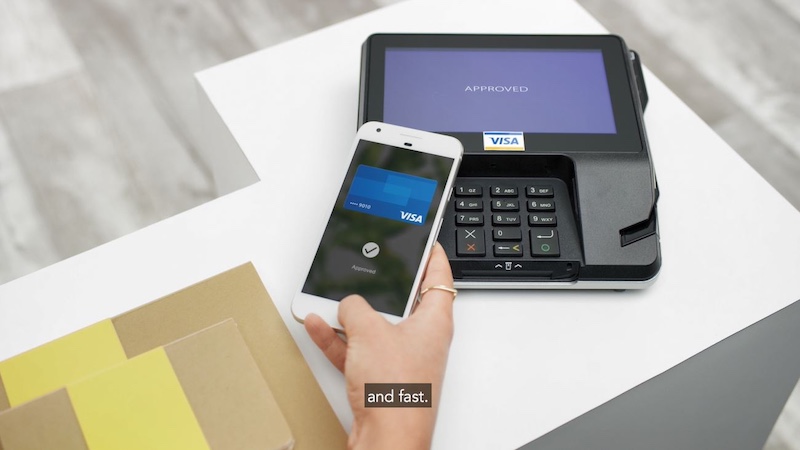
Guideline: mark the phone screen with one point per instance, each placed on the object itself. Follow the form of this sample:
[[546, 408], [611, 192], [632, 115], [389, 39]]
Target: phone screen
[[375, 237]]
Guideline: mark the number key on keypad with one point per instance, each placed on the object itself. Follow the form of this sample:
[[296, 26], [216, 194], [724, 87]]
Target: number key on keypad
[[505, 205], [542, 220], [539, 191], [507, 234], [469, 205], [541, 205], [466, 190], [469, 219], [505, 219], [504, 191]]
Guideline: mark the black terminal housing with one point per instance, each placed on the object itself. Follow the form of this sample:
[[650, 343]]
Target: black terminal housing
[[608, 227]]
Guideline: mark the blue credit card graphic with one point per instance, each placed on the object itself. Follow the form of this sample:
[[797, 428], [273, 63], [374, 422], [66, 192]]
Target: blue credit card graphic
[[393, 195]]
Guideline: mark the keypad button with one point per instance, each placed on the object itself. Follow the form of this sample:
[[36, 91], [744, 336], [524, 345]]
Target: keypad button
[[504, 191], [508, 249], [468, 190], [470, 242], [542, 220], [539, 191], [507, 234], [505, 219], [544, 242], [505, 205], [469, 205], [541, 205], [469, 219]]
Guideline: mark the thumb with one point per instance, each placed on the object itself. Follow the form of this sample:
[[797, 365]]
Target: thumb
[[356, 314]]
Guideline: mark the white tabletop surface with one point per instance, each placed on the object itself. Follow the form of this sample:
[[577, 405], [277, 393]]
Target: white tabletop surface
[[522, 362]]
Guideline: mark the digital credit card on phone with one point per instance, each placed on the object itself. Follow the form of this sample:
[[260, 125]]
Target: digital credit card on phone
[[391, 195]]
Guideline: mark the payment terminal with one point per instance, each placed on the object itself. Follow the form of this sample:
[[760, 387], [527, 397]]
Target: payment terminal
[[557, 187]]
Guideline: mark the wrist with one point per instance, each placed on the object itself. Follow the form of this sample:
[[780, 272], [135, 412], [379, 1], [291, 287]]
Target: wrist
[[406, 428]]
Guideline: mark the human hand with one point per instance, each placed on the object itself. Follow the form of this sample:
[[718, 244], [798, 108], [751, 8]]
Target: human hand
[[377, 351]]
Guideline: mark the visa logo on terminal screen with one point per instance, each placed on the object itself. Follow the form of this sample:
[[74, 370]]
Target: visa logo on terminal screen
[[391, 195]]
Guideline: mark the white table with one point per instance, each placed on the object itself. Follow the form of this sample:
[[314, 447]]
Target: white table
[[522, 362]]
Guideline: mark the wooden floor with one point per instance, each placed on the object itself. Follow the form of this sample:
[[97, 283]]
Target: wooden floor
[[98, 133]]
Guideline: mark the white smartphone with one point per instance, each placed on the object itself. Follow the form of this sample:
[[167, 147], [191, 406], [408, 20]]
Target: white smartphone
[[384, 223]]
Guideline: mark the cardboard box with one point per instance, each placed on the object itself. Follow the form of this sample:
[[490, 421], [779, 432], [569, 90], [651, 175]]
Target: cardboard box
[[238, 294], [201, 392]]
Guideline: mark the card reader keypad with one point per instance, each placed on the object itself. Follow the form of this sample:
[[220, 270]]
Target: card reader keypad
[[511, 229], [514, 212]]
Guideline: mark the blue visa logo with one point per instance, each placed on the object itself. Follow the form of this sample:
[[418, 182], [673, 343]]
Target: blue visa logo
[[504, 141], [509, 141]]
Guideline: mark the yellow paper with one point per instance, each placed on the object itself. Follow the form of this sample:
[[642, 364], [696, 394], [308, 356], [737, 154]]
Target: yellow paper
[[63, 361], [137, 405]]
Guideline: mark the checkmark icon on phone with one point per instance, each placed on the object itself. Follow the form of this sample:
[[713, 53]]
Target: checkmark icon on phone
[[370, 250]]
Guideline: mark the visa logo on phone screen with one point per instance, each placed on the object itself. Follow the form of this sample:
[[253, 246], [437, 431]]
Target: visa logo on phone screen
[[392, 195]]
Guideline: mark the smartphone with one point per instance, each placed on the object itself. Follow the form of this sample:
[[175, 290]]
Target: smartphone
[[383, 224]]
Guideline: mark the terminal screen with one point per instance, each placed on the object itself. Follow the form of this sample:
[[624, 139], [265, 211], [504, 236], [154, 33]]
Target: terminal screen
[[469, 90]]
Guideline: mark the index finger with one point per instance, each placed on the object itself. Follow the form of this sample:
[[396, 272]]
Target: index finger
[[437, 303]]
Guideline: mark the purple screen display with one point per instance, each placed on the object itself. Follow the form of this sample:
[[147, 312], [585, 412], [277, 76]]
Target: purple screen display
[[466, 90]]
